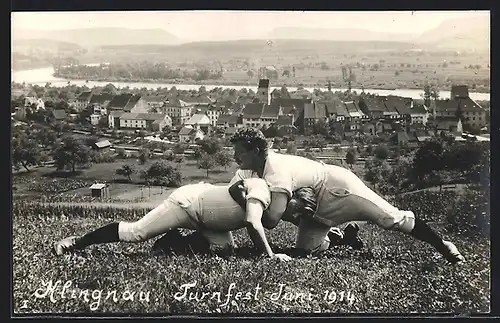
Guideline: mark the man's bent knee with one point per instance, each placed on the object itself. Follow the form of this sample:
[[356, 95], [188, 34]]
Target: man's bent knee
[[131, 232], [309, 250]]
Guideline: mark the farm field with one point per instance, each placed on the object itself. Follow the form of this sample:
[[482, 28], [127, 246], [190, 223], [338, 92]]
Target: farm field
[[392, 274], [24, 183]]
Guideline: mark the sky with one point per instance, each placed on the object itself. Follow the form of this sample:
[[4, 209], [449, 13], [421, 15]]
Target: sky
[[225, 25]]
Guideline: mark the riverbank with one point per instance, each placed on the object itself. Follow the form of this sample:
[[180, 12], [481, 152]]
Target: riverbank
[[229, 82], [46, 75]]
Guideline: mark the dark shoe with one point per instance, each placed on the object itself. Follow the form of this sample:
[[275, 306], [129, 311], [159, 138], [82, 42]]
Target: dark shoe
[[64, 246], [351, 237], [336, 236], [452, 254], [170, 241]]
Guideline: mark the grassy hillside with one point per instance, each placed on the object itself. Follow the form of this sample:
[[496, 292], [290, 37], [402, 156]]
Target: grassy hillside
[[393, 274]]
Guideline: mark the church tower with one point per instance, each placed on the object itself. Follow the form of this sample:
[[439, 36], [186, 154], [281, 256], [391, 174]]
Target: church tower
[[263, 92]]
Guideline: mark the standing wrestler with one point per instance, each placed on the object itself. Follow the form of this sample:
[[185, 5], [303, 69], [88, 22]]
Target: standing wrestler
[[341, 196]]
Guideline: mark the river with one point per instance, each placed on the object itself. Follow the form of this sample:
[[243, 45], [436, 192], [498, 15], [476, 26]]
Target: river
[[41, 76]]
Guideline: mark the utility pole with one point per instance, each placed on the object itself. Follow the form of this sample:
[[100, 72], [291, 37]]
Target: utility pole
[[347, 76], [329, 86]]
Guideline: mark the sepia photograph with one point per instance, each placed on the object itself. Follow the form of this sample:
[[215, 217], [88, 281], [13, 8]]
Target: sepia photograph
[[250, 162]]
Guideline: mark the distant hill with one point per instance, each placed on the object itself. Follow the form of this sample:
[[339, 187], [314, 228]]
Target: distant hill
[[337, 34], [95, 37], [464, 33], [280, 47], [23, 45], [295, 44]]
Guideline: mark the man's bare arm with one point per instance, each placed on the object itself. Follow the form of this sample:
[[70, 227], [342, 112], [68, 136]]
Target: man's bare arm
[[276, 209], [254, 224]]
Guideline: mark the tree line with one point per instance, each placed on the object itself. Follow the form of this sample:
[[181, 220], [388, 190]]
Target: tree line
[[136, 71]]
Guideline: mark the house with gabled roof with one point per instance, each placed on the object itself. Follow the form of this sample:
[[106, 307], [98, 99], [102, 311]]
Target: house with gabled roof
[[179, 110], [119, 101], [114, 119], [98, 103], [313, 113], [199, 121], [59, 115], [419, 114], [448, 124], [372, 106], [258, 115], [461, 104], [336, 110], [155, 101], [82, 101], [236, 109], [32, 101], [136, 105], [229, 121], [390, 111], [189, 134], [285, 125], [103, 145], [146, 121]]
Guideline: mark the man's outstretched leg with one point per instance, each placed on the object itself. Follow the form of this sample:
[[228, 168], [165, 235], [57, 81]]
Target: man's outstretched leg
[[376, 210], [166, 216]]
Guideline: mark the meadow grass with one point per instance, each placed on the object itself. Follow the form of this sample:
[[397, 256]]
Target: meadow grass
[[393, 274]]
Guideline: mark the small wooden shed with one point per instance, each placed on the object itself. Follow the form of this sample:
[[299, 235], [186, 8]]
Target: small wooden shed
[[100, 190]]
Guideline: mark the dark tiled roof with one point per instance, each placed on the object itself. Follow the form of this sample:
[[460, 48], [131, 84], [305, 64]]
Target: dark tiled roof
[[270, 111], [333, 107], [398, 104], [237, 108], [253, 110], [467, 104], [176, 102], [59, 114], [285, 102], [459, 91], [227, 118], [314, 111], [116, 114], [289, 110], [119, 101], [154, 98], [100, 98], [374, 104], [284, 121], [132, 102], [85, 96], [389, 104], [186, 131], [351, 107], [418, 108], [447, 105], [452, 105], [264, 83]]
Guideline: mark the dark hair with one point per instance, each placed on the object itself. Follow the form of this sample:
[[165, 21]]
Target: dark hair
[[251, 138], [307, 196]]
